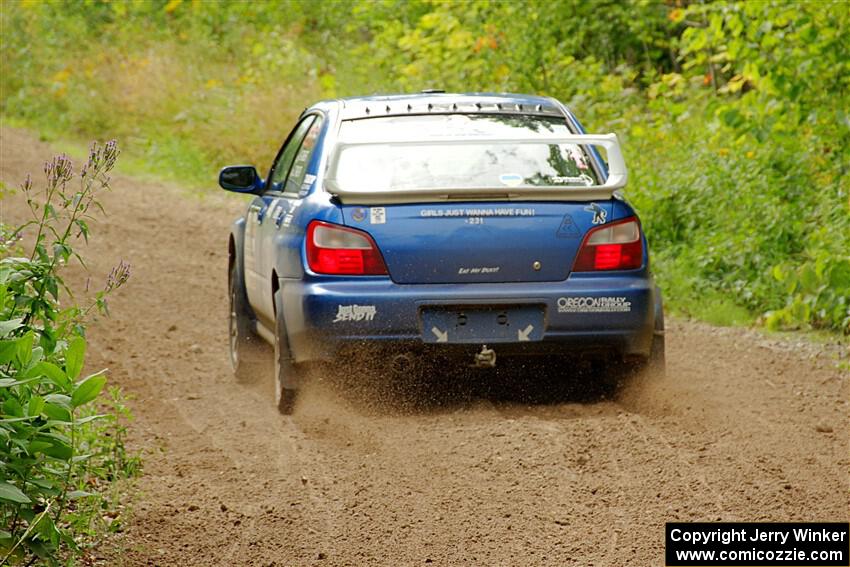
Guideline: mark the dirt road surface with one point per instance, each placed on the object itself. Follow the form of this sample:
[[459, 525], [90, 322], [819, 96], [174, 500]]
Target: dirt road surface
[[744, 427]]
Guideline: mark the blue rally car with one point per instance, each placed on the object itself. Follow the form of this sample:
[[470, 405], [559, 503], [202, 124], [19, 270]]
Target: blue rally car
[[457, 225]]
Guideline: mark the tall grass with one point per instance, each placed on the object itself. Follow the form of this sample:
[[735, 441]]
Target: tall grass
[[183, 93]]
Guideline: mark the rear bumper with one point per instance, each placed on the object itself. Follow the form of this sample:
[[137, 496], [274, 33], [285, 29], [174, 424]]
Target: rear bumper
[[582, 315]]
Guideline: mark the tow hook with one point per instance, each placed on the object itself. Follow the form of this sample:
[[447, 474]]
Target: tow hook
[[485, 359]]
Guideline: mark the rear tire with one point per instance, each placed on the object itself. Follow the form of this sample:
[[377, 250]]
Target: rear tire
[[245, 347], [288, 374]]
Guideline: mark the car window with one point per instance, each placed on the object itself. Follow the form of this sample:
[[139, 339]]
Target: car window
[[410, 152], [287, 154], [297, 173]]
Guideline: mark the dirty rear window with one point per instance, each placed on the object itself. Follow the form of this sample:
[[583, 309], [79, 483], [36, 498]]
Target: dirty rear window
[[409, 152]]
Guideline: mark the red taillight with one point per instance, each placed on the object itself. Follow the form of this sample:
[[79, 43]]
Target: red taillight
[[614, 246], [338, 250]]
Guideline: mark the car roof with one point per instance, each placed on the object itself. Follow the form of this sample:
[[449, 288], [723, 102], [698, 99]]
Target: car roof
[[355, 108]]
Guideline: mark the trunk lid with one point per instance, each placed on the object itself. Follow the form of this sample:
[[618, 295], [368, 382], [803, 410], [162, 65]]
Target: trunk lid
[[477, 242]]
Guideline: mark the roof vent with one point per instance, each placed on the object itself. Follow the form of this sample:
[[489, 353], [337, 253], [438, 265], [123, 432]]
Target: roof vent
[[432, 91], [539, 107]]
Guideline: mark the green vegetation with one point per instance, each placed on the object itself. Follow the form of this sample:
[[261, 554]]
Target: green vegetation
[[61, 435], [733, 113]]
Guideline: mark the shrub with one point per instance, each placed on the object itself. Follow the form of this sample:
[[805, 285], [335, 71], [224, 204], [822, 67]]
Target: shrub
[[56, 452]]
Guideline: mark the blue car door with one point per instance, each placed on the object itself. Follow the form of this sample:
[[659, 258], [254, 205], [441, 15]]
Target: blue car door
[[252, 277], [271, 214]]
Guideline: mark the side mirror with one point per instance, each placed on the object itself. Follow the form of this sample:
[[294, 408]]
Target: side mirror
[[240, 179]]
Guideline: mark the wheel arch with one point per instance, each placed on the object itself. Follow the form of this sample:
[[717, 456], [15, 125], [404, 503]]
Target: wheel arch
[[236, 263]]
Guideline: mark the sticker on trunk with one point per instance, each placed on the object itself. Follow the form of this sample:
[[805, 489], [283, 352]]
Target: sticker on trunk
[[478, 212], [568, 228], [510, 179], [478, 270], [594, 305], [600, 215], [583, 179], [358, 214], [377, 215]]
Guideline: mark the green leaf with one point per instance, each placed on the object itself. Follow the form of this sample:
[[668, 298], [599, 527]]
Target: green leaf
[[84, 229], [88, 389], [89, 418], [57, 409], [39, 548], [74, 357], [42, 483], [13, 407], [12, 493], [52, 287], [61, 251], [47, 531], [37, 355], [59, 399], [36, 404], [8, 382], [7, 327], [38, 447], [53, 373], [41, 252], [74, 494], [59, 450], [7, 351], [808, 277], [23, 350], [15, 419]]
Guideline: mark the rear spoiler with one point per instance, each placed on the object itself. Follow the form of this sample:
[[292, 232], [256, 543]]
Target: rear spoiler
[[617, 175]]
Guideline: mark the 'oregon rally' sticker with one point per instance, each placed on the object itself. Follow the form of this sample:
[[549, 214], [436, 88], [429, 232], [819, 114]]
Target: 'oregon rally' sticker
[[594, 305]]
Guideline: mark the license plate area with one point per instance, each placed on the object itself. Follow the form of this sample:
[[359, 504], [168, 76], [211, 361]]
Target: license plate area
[[482, 323]]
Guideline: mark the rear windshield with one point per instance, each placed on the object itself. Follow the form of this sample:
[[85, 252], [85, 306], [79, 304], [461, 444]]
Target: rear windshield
[[407, 152]]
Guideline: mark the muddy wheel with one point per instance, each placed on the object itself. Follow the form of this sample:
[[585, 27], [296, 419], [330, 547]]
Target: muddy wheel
[[288, 374], [244, 345]]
